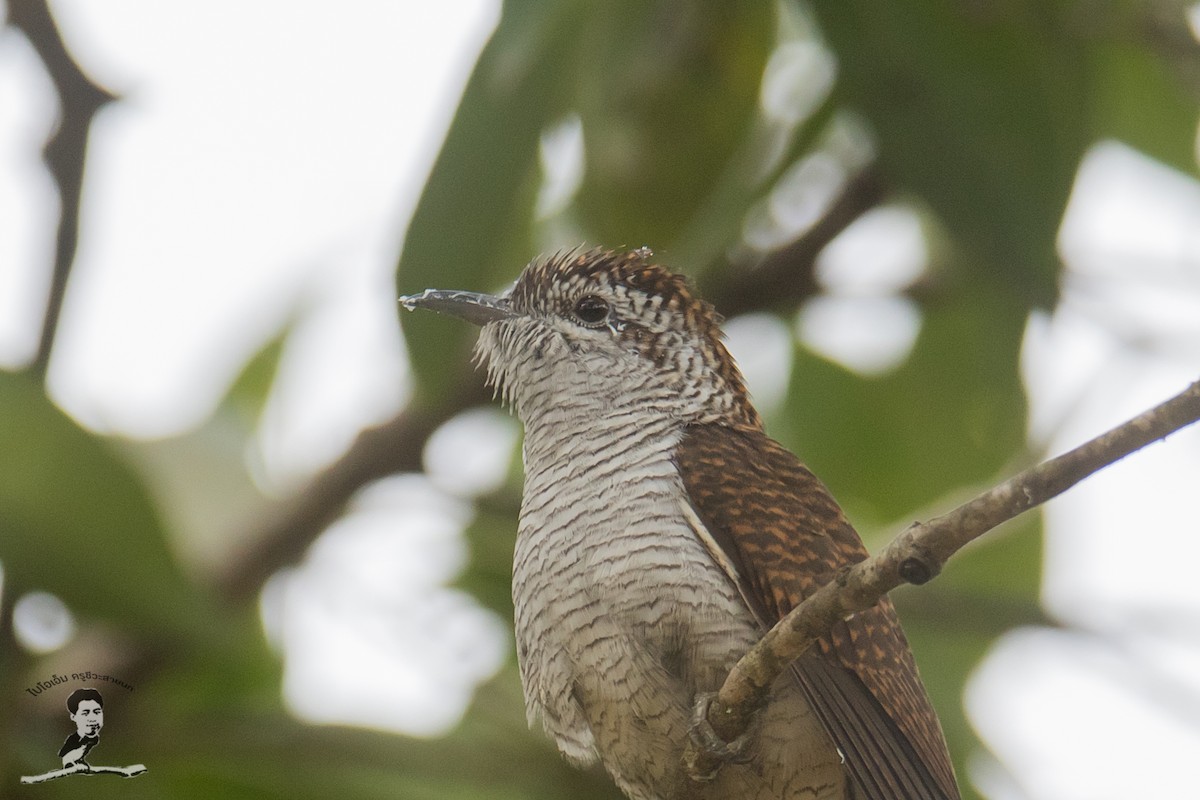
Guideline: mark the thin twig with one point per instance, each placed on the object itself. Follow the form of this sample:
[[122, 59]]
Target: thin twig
[[66, 151], [918, 554], [787, 276]]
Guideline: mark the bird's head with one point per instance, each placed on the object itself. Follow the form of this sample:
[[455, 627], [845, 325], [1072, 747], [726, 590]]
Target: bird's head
[[603, 329]]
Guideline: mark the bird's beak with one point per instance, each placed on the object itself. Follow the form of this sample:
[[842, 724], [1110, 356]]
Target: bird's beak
[[471, 306]]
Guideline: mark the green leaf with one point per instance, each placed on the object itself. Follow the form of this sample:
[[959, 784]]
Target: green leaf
[[979, 111], [76, 521], [953, 414], [1136, 98], [472, 226], [663, 119], [252, 387]]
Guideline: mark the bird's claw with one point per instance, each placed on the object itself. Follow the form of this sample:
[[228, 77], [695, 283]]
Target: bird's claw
[[706, 751]]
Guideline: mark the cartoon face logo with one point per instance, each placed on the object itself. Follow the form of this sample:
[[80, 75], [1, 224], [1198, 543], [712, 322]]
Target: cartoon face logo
[[86, 710]]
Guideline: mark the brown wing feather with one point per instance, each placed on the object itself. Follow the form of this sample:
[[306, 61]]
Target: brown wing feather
[[786, 536]]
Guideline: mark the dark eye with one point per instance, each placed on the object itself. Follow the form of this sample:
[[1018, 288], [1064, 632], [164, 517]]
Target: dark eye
[[591, 310]]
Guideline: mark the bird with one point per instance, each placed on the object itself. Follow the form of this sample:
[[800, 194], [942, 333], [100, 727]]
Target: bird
[[662, 532]]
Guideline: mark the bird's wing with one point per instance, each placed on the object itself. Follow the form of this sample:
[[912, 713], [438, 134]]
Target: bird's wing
[[781, 537]]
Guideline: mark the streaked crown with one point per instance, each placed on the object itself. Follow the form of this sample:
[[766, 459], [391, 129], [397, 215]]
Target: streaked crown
[[615, 327]]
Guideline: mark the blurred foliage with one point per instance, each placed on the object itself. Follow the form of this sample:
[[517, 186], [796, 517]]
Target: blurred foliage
[[975, 115]]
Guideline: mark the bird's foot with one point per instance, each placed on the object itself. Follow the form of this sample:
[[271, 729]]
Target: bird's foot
[[706, 751]]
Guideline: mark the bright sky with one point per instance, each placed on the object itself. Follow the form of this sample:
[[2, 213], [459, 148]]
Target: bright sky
[[261, 172]]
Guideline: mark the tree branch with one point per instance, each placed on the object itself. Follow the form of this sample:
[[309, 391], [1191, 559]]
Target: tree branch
[[786, 276], [65, 153], [395, 446], [918, 554]]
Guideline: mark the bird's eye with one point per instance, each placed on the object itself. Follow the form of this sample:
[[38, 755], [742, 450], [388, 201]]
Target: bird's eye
[[591, 310]]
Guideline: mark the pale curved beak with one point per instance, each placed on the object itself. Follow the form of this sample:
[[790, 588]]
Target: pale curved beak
[[474, 307]]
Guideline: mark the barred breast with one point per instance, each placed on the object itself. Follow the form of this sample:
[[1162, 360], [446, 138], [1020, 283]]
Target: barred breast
[[622, 616]]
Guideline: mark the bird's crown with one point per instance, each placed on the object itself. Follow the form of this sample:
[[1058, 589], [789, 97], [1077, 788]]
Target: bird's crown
[[623, 302]]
